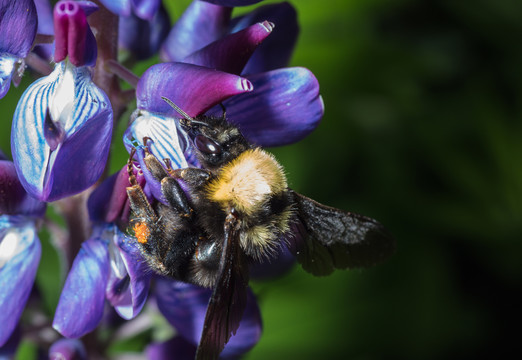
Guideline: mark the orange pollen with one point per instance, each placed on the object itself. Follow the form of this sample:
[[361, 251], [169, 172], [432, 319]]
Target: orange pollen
[[142, 232]]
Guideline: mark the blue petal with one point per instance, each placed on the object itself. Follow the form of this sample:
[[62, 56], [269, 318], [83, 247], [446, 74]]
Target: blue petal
[[109, 202], [13, 198], [200, 24], [8, 350], [146, 9], [284, 107], [232, 52], [185, 305], [195, 89], [45, 27], [82, 114], [7, 66], [84, 289], [118, 7], [281, 263], [67, 349], [143, 38], [45, 17], [20, 252], [163, 131], [18, 23], [275, 52], [129, 277], [183, 349]]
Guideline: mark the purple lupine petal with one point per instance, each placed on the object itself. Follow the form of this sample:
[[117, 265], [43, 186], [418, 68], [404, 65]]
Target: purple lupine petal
[[18, 24], [118, 7], [183, 349], [233, 2], [83, 111], [129, 277], [146, 9], [7, 67], [183, 84], [201, 24], [20, 252], [143, 38], [88, 7], [276, 51], [284, 108], [73, 36], [274, 267], [67, 349], [167, 142], [45, 17], [231, 53], [8, 349], [184, 306], [45, 27], [295, 237], [109, 202], [14, 200], [84, 289], [153, 184]]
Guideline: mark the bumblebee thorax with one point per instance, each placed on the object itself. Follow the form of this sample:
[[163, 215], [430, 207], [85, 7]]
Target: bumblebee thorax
[[247, 182]]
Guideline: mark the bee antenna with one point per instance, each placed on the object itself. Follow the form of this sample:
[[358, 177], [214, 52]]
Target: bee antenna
[[178, 109], [184, 114]]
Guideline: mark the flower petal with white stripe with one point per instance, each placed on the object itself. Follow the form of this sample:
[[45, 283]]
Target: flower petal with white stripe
[[61, 133]]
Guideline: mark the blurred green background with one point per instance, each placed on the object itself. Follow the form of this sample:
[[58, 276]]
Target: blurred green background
[[422, 131]]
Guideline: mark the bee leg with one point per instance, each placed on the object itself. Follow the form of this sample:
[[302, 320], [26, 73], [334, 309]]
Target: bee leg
[[168, 165], [175, 196], [193, 177], [144, 214], [169, 186], [132, 177], [154, 165]]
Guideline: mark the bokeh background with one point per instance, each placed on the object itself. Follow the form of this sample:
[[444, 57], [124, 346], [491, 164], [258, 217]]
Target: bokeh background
[[422, 131]]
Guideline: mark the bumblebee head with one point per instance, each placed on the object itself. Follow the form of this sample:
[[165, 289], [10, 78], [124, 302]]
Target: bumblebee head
[[215, 140]]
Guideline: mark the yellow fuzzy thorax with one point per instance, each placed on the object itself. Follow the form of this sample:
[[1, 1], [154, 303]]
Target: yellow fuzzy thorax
[[247, 181]]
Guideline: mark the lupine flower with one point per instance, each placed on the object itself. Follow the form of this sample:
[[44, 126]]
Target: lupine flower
[[45, 27], [19, 247], [18, 23], [185, 84], [142, 38], [144, 9], [62, 125], [67, 349], [60, 141], [185, 306], [285, 104], [108, 266], [296, 90]]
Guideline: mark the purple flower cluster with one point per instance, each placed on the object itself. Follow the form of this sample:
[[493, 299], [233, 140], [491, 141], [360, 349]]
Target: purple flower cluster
[[61, 138]]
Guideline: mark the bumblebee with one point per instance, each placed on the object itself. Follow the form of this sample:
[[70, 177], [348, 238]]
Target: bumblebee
[[214, 220]]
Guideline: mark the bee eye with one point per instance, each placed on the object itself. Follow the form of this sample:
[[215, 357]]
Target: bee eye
[[206, 145]]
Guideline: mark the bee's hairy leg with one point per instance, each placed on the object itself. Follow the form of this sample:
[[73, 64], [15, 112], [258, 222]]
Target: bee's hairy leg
[[175, 196], [140, 204], [132, 177], [168, 165], [193, 177], [154, 165]]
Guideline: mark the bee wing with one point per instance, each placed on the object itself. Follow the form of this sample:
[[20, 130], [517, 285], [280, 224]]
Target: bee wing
[[228, 301], [336, 239]]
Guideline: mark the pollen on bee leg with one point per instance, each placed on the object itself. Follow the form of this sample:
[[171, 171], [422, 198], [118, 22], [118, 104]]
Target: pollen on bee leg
[[142, 232]]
